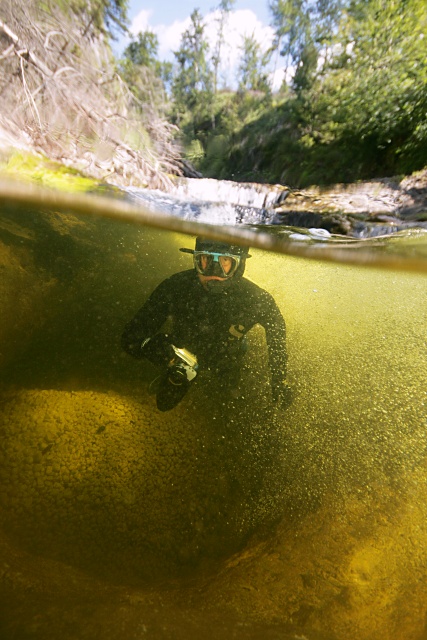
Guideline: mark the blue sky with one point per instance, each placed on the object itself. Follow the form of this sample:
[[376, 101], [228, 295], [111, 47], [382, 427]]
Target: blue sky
[[167, 11], [169, 18]]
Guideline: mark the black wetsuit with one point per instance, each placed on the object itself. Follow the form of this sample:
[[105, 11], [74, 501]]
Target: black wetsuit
[[211, 326]]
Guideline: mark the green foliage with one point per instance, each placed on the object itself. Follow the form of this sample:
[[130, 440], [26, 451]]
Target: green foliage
[[143, 50], [372, 103], [303, 29], [252, 74], [146, 76], [192, 86], [144, 84], [105, 16], [225, 6], [193, 81], [356, 107], [359, 114], [232, 111], [195, 152]]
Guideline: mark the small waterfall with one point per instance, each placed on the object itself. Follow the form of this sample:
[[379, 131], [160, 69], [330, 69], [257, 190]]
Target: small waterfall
[[224, 202], [246, 194], [205, 207]]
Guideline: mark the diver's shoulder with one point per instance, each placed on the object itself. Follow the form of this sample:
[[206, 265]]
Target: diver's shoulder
[[179, 276], [179, 279], [254, 289]]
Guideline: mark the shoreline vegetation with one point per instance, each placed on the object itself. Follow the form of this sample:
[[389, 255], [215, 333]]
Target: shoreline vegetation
[[74, 114], [63, 98]]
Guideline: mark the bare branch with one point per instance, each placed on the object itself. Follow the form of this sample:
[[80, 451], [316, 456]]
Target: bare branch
[[64, 69], [30, 98], [8, 52], [50, 35], [78, 101], [38, 63], [8, 32]]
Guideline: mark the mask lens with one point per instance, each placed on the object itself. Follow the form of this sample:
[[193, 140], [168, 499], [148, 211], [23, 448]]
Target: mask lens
[[215, 264], [203, 263]]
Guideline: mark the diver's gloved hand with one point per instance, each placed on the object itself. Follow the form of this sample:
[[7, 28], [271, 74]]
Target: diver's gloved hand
[[281, 392], [158, 349]]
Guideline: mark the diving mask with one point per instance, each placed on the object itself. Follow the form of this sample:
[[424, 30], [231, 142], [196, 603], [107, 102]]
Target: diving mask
[[210, 263]]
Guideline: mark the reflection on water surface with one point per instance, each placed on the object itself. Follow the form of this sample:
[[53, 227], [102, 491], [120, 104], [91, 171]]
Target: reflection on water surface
[[232, 519]]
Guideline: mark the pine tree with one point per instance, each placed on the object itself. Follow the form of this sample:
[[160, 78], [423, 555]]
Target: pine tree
[[192, 86], [303, 32], [252, 75], [106, 16], [225, 6]]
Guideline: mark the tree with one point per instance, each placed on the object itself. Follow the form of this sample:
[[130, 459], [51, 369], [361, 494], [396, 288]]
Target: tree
[[252, 75], [225, 6], [114, 14], [140, 67], [192, 85], [291, 22], [105, 16], [376, 92], [143, 50], [303, 31]]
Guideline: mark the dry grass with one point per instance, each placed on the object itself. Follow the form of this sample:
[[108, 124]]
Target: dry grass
[[60, 90]]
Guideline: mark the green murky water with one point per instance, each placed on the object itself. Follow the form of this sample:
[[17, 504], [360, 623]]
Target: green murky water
[[227, 519]]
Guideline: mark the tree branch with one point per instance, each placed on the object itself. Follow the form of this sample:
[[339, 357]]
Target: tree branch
[[50, 35], [8, 32], [8, 52], [30, 98]]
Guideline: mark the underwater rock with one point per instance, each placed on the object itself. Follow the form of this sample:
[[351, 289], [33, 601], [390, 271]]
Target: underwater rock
[[23, 295], [105, 482]]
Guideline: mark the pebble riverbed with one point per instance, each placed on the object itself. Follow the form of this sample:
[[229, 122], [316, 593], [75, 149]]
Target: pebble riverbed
[[102, 481]]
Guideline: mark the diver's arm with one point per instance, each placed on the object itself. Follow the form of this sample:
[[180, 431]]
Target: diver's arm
[[140, 337], [275, 333]]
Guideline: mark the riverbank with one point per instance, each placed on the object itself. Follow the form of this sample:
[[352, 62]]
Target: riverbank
[[363, 209], [63, 98], [376, 207]]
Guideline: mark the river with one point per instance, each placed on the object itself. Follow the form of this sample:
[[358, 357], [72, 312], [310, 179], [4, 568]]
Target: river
[[227, 518]]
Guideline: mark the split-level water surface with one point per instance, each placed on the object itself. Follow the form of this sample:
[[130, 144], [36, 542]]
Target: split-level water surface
[[225, 517]]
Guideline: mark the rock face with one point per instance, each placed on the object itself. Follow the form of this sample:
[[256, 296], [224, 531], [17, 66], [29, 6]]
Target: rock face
[[364, 209], [378, 207], [406, 198], [35, 270], [23, 298]]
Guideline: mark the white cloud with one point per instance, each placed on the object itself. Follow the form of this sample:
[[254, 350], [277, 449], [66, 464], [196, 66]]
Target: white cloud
[[170, 37], [239, 24], [140, 22], [276, 78], [279, 75]]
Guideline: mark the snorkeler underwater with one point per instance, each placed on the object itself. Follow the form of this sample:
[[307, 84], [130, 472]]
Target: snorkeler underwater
[[212, 308]]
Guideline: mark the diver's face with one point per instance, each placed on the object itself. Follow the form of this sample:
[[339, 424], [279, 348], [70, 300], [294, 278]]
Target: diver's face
[[226, 264]]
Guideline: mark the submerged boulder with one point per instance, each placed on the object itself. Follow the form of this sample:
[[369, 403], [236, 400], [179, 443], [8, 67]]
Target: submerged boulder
[[107, 483]]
